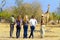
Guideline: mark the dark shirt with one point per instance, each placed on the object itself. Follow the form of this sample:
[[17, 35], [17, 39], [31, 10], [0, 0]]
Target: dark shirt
[[42, 22], [18, 22], [25, 23]]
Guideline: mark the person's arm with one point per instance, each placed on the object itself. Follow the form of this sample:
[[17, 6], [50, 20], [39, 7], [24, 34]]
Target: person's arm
[[30, 21], [15, 22], [21, 22], [36, 22]]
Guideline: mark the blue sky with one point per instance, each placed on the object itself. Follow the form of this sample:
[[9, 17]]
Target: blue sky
[[44, 3]]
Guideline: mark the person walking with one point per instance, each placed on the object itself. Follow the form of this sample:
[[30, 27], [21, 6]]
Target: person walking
[[18, 26], [33, 23], [25, 26], [12, 23]]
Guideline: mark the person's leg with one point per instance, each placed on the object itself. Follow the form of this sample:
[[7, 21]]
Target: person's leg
[[32, 33], [11, 29], [17, 32], [32, 29], [25, 31], [42, 31]]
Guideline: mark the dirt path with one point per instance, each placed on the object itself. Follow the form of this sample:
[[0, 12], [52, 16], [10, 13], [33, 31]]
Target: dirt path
[[52, 33]]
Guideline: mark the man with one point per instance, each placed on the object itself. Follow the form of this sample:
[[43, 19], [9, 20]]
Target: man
[[42, 26], [12, 22]]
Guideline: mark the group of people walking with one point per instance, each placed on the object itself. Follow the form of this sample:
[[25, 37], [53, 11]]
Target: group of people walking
[[25, 22]]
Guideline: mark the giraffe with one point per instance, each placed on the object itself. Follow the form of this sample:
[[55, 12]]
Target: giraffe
[[47, 14], [3, 2]]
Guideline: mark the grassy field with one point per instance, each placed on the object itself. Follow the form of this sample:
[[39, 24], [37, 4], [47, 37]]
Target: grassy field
[[52, 33]]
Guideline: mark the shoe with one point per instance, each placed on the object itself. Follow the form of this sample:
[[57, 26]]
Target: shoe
[[17, 37], [42, 37], [29, 37], [10, 36]]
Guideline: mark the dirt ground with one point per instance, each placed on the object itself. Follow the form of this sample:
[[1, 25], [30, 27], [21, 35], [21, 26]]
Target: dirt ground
[[51, 33]]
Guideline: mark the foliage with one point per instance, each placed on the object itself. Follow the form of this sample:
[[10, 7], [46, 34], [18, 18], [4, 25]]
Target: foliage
[[5, 15], [24, 9]]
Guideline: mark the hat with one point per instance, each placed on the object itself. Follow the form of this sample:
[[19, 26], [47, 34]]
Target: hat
[[42, 14]]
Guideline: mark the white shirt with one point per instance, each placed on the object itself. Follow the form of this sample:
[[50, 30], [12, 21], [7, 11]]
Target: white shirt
[[33, 22]]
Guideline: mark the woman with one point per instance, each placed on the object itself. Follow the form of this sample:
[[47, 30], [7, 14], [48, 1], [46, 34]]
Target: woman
[[18, 26], [33, 23], [25, 25]]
